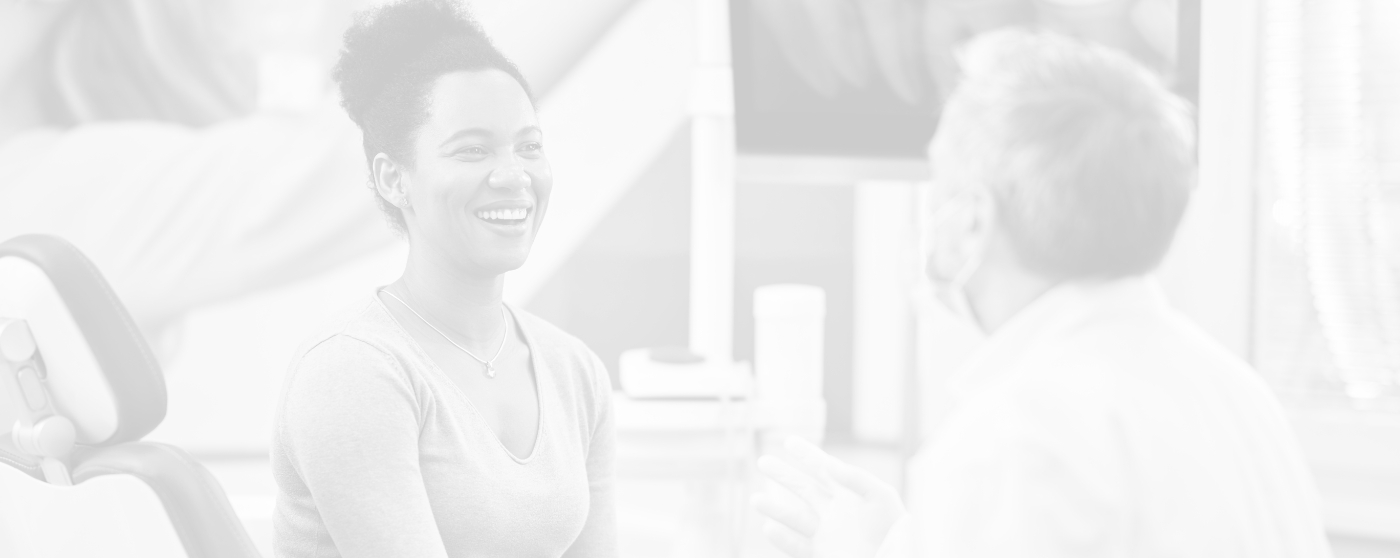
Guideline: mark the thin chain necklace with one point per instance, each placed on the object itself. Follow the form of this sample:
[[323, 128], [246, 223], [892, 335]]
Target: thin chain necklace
[[489, 364]]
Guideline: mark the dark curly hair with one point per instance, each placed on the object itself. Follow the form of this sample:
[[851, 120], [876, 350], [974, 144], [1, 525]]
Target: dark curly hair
[[393, 54]]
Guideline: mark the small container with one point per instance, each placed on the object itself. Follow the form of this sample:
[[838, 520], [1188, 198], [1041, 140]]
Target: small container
[[789, 321]]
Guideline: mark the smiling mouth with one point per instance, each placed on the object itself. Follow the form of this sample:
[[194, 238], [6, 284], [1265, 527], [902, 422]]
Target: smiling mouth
[[504, 216]]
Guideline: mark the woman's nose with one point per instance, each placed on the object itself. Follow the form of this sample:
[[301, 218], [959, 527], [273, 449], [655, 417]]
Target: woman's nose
[[511, 177]]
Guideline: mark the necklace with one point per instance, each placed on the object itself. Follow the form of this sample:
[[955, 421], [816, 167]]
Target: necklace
[[489, 364]]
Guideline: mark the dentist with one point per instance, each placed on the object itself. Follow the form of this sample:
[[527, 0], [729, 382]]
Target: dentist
[[1095, 420]]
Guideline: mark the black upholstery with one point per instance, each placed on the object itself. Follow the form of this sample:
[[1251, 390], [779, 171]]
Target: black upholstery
[[195, 503], [121, 351], [198, 510]]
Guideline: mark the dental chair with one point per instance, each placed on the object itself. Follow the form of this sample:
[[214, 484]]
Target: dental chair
[[79, 388]]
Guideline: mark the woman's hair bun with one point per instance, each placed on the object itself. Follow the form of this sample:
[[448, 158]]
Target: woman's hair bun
[[387, 41], [392, 56]]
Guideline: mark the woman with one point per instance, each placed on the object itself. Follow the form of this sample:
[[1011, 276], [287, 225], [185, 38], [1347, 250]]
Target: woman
[[433, 420]]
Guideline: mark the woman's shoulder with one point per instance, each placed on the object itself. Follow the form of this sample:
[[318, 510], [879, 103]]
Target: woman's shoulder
[[363, 324], [545, 333], [560, 350], [576, 373], [355, 351], [360, 340]]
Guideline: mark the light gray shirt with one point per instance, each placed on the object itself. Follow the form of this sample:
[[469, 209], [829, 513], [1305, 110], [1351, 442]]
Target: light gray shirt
[[377, 452]]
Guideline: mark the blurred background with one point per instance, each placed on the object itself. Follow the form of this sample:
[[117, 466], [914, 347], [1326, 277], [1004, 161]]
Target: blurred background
[[725, 170]]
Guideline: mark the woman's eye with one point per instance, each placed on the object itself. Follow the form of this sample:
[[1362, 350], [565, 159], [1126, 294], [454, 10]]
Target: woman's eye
[[474, 152], [531, 148]]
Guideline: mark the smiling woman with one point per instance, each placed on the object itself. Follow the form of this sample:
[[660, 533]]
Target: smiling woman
[[433, 420], [477, 179]]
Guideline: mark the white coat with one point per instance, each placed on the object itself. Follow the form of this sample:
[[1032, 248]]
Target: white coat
[[1100, 422]]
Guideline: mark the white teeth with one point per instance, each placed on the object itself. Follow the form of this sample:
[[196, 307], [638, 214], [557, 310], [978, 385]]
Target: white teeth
[[503, 214]]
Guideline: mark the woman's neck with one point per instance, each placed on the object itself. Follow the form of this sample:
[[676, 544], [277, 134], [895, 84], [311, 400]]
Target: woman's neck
[[464, 305]]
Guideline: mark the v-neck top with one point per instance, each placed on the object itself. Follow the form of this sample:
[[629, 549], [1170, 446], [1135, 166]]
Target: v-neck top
[[536, 387], [377, 452]]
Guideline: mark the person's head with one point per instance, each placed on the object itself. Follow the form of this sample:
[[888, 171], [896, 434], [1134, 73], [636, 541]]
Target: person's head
[[1058, 159], [88, 61], [450, 133]]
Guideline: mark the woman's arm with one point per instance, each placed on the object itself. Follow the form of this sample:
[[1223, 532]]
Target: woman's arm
[[599, 536], [350, 423]]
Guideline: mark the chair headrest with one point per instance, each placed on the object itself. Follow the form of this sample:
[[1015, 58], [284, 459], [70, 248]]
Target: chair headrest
[[96, 365]]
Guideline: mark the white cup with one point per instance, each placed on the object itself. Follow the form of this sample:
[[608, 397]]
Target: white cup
[[788, 341]]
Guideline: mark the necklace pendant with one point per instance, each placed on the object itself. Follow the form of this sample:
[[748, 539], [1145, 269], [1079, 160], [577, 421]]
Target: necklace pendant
[[490, 370]]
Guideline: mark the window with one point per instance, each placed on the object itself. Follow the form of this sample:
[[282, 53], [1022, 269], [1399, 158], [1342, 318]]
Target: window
[[1327, 312]]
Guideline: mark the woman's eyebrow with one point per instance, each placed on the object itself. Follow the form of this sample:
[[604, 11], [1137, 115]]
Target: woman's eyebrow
[[528, 130], [481, 132]]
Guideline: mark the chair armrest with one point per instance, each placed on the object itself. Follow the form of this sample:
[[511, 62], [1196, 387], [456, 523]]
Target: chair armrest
[[193, 499]]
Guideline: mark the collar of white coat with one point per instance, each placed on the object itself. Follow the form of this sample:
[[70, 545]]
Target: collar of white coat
[[1058, 309]]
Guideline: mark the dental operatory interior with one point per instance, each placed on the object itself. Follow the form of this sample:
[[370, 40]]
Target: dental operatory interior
[[734, 230]]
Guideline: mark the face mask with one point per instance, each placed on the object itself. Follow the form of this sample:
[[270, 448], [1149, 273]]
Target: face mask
[[951, 288]]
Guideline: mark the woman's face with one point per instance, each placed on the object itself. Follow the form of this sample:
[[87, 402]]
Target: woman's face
[[480, 184]]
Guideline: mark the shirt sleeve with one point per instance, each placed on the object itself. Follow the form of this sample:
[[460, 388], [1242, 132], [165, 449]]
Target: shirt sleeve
[[351, 421], [599, 536], [1023, 476]]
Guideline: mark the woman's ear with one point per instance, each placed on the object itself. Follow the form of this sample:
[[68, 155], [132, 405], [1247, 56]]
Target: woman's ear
[[390, 181]]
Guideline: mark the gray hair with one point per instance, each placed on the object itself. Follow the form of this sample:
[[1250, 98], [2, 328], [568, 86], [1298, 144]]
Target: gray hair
[[1089, 157]]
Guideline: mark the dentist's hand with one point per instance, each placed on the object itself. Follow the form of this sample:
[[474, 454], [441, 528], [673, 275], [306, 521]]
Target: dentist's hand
[[822, 507]]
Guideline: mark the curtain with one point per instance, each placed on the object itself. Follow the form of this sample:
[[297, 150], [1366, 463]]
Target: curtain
[[1330, 126]]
